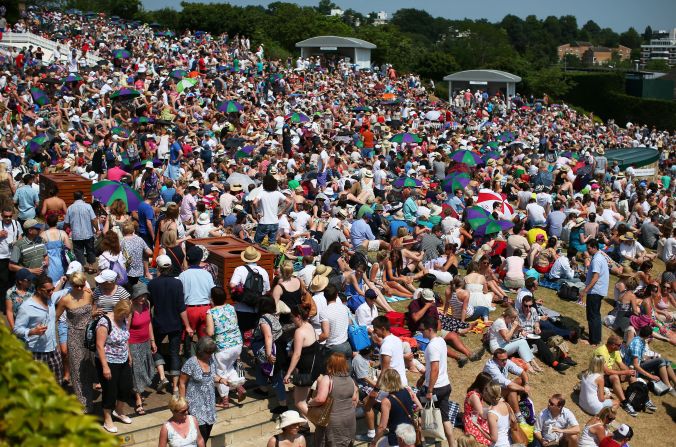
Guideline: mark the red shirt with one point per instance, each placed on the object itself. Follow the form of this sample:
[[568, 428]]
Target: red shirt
[[20, 59], [139, 330], [368, 138]]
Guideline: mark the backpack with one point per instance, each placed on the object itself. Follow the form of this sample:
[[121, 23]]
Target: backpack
[[637, 395], [90, 332], [568, 292], [118, 268], [253, 288]]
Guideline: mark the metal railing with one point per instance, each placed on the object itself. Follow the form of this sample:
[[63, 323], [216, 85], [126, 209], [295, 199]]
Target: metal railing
[[14, 39]]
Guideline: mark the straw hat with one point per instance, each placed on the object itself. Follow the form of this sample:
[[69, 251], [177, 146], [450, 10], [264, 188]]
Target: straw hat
[[235, 187], [290, 417], [579, 221], [368, 173], [250, 254], [323, 270], [319, 283], [427, 295], [628, 237], [600, 150]]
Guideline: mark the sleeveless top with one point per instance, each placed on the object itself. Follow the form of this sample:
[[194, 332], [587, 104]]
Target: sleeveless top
[[503, 429], [290, 298], [176, 440], [397, 413], [456, 305], [586, 438]]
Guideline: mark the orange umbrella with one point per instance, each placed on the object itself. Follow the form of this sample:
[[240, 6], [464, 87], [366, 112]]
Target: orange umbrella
[[389, 96], [193, 74]]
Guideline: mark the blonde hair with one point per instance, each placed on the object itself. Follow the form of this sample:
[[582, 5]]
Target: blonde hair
[[177, 403], [390, 381], [128, 227], [605, 412], [509, 312], [492, 393], [286, 270], [169, 238], [595, 365], [122, 308], [382, 255], [78, 279]]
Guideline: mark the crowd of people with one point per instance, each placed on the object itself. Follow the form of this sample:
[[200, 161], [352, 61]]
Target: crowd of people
[[402, 226]]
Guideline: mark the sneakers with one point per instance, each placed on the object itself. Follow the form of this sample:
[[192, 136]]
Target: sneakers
[[626, 406], [650, 406], [476, 355], [462, 361], [672, 392], [364, 438]]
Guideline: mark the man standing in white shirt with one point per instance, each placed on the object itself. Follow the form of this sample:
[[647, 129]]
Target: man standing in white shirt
[[435, 381], [268, 203], [391, 348], [338, 316], [10, 232]]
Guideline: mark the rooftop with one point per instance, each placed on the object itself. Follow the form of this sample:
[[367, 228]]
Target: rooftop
[[335, 41]]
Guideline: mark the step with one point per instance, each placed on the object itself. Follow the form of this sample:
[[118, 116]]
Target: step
[[250, 419]]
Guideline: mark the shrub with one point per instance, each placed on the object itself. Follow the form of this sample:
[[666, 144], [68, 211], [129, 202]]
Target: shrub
[[35, 410]]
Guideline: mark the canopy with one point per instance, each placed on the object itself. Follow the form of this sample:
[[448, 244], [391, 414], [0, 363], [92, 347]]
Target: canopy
[[638, 156]]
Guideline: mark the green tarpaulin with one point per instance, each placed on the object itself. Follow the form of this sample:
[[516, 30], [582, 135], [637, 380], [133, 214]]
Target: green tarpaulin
[[638, 156]]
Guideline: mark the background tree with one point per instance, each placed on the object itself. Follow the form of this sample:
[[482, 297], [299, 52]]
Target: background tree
[[647, 34], [631, 38], [325, 7], [549, 80], [657, 65]]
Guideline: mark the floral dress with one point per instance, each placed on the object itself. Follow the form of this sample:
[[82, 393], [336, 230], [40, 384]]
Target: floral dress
[[200, 391], [134, 247], [470, 424], [226, 330], [17, 298]]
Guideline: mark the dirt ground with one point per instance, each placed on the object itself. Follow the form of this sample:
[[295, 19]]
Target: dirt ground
[[650, 429]]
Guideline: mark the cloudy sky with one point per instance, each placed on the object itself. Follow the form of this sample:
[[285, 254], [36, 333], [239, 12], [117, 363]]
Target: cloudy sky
[[616, 14]]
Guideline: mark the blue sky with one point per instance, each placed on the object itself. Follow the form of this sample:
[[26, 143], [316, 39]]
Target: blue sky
[[616, 14]]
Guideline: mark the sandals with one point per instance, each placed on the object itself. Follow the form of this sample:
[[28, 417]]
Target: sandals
[[241, 394], [122, 417], [225, 403], [140, 410]]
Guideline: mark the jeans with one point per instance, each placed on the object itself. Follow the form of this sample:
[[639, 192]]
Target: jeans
[[173, 356], [479, 312], [84, 251], [549, 328], [653, 366], [269, 230], [594, 317]]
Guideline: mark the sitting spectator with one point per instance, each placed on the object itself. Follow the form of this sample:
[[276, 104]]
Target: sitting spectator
[[654, 369], [513, 266], [593, 397], [475, 422], [615, 371], [506, 333], [290, 423], [619, 438], [597, 428], [556, 424], [499, 368]]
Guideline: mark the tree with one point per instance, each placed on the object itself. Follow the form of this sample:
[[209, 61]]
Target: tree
[[569, 28], [592, 29], [325, 6], [549, 80], [657, 65], [630, 38], [647, 34], [572, 61], [608, 38], [435, 65], [125, 8]]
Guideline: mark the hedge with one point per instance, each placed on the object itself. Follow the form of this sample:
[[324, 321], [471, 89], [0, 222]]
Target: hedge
[[34, 410], [603, 94]]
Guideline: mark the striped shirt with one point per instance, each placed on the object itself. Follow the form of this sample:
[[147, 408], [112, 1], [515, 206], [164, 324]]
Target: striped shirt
[[339, 319], [107, 302], [79, 216], [29, 254]]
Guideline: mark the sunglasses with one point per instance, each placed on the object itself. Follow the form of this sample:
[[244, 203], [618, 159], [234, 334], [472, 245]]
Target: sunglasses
[[552, 404], [527, 305]]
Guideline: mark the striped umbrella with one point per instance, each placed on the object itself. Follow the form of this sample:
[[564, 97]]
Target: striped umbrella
[[407, 182], [120, 131], [297, 117], [36, 143], [72, 78], [178, 74], [185, 83], [406, 137], [454, 181], [124, 94], [488, 198], [466, 157], [229, 107], [142, 120], [108, 191], [39, 96], [121, 53]]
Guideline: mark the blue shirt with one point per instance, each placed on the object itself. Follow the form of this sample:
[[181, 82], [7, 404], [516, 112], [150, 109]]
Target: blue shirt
[[410, 210], [599, 265], [26, 199], [145, 213], [395, 224], [457, 203], [360, 232], [31, 313], [174, 152], [501, 374], [79, 216], [197, 285], [635, 349], [168, 194]]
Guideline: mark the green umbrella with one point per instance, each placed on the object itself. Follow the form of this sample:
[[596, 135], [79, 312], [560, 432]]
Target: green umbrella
[[477, 216], [455, 181], [241, 154], [493, 144], [108, 191], [185, 83], [39, 96], [406, 137], [466, 157]]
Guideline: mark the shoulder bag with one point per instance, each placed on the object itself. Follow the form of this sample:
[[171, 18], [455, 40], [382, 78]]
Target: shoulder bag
[[320, 415], [516, 433], [415, 422]]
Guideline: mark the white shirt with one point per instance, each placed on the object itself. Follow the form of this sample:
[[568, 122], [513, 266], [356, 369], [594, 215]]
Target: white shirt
[[669, 249], [239, 278], [436, 352], [300, 221], [545, 422], [536, 213], [365, 314], [320, 303], [338, 316], [269, 205], [306, 274], [631, 250], [392, 347], [13, 232]]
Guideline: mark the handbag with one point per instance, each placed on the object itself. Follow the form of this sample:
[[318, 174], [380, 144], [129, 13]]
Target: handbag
[[306, 298], [658, 387], [516, 434], [358, 335], [320, 415], [432, 424], [415, 422]]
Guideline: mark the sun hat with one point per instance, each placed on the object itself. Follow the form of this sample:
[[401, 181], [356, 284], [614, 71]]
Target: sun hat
[[290, 417], [250, 254], [323, 270], [236, 187], [203, 219], [73, 267], [32, 223], [427, 295], [579, 221], [195, 184], [627, 237], [368, 173], [149, 164], [138, 290], [106, 275], [163, 261], [319, 283]]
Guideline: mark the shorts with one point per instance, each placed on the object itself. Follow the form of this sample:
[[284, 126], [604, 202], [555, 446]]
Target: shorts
[[63, 333], [374, 245]]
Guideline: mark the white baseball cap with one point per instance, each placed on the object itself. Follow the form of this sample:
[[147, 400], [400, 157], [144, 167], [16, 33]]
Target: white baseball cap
[[163, 261], [73, 267], [106, 275]]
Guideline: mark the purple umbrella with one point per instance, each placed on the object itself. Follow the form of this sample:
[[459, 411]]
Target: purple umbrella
[[248, 149], [108, 191]]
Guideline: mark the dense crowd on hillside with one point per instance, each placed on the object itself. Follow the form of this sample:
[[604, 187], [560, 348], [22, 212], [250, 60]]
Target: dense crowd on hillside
[[371, 195]]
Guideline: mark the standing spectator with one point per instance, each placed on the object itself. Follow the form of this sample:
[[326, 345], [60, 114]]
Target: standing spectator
[[113, 363], [269, 202], [391, 348], [169, 319], [338, 384], [188, 209], [26, 199], [338, 316], [17, 294], [55, 242], [10, 233], [196, 385], [222, 327], [435, 380], [146, 218], [246, 315], [84, 226], [141, 343], [35, 324], [556, 424], [197, 285], [181, 429], [135, 251], [29, 252], [107, 293], [596, 288], [397, 408]]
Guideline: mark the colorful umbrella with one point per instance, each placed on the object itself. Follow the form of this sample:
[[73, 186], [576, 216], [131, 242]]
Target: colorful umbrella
[[506, 137], [297, 117], [488, 198], [248, 149], [492, 226], [361, 109], [241, 154], [108, 191], [142, 120], [490, 155], [178, 74], [36, 143], [407, 182], [388, 96], [72, 78], [124, 94], [185, 83], [39, 96], [493, 144], [229, 107], [49, 81], [406, 137], [142, 164], [466, 157], [121, 53], [120, 132], [455, 181]]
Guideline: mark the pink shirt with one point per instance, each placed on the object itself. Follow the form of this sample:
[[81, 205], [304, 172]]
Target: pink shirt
[[139, 331], [514, 267], [188, 207]]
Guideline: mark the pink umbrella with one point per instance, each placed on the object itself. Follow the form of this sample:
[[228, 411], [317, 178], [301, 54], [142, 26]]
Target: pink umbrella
[[487, 198]]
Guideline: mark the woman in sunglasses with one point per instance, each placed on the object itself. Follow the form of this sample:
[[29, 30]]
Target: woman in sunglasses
[[597, 428], [181, 429]]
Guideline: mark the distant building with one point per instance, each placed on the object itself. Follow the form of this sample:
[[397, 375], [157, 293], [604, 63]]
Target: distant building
[[336, 12], [592, 55], [381, 18], [660, 49]]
